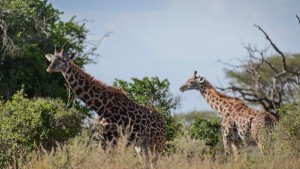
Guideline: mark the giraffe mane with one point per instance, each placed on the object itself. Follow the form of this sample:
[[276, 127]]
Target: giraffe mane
[[209, 85], [99, 83]]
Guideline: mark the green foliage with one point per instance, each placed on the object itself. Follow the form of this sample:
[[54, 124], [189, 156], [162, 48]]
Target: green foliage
[[34, 27], [154, 93], [207, 130], [286, 136], [26, 124], [242, 77]]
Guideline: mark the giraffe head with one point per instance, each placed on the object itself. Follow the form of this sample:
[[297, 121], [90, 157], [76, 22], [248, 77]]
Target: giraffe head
[[58, 61], [196, 82]]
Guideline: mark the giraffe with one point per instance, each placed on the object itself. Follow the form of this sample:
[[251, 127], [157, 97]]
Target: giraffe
[[238, 120], [116, 111]]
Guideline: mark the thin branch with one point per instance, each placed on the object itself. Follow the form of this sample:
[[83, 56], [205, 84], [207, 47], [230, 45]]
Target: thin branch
[[276, 49], [298, 19], [107, 34]]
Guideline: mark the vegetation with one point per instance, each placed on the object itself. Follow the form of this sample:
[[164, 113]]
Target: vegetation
[[28, 30], [29, 124], [207, 130], [190, 117], [81, 153], [286, 136]]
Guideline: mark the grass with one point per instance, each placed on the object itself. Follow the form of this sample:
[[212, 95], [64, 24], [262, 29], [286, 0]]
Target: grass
[[184, 153], [189, 153]]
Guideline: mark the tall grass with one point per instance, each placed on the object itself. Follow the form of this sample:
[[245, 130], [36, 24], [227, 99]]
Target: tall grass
[[283, 145], [189, 153]]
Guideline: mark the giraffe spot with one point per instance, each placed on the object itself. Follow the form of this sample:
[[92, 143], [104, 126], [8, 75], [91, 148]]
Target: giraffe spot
[[86, 97], [69, 71], [71, 78], [94, 108], [80, 81], [78, 91], [144, 122], [75, 83], [130, 109], [104, 101], [97, 102], [91, 92], [109, 104], [86, 87], [101, 109]]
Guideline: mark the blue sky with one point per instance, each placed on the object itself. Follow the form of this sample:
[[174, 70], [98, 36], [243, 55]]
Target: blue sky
[[172, 38]]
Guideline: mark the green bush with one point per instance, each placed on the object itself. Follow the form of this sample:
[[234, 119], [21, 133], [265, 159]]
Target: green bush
[[207, 130], [26, 124], [286, 136]]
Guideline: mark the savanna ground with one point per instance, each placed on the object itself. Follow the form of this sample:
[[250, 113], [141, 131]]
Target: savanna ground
[[81, 152], [189, 154]]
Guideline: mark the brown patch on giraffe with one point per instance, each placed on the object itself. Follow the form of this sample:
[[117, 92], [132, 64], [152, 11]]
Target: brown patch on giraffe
[[71, 78], [80, 81], [79, 90]]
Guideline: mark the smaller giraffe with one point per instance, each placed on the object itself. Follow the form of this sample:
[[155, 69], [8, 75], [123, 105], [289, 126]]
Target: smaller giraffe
[[238, 120]]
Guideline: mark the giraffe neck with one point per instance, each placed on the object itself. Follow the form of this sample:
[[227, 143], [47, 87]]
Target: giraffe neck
[[93, 93], [219, 102]]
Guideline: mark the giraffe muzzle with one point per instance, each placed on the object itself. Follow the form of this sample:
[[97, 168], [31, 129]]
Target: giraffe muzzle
[[182, 88], [49, 70]]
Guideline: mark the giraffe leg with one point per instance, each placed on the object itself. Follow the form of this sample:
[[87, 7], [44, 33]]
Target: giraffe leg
[[227, 136], [255, 136], [227, 139], [143, 153], [138, 150], [236, 145], [109, 139]]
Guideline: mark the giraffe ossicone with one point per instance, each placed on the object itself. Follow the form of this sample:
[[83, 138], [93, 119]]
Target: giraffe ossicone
[[146, 126], [238, 120]]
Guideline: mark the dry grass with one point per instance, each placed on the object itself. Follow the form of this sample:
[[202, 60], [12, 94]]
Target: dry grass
[[191, 154]]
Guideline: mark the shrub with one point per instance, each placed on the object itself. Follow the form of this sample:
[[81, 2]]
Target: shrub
[[286, 136], [207, 130], [26, 124]]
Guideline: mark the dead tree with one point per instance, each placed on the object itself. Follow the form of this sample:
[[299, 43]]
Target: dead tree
[[282, 84]]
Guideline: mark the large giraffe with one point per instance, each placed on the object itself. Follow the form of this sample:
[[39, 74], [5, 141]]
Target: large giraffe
[[117, 112], [238, 120]]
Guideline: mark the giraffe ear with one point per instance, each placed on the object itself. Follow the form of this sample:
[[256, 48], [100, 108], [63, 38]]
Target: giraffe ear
[[50, 57], [201, 79]]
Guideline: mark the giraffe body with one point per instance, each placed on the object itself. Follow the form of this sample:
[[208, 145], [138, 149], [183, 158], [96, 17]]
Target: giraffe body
[[238, 120], [145, 127]]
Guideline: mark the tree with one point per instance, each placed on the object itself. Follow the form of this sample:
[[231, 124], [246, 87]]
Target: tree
[[27, 124], [154, 93], [28, 30], [270, 81]]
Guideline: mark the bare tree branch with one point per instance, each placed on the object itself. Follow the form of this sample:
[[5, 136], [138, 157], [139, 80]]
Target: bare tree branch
[[298, 19], [270, 89], [276, 49]]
